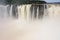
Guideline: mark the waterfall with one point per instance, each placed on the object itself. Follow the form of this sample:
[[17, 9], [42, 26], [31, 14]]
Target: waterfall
[[3, 11], [23, 12], [7, 11], [46, 29], [28, 11], [31, 11]]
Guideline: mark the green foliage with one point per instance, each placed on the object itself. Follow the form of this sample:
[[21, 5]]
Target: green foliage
[[11, 2], [19, 1], [22, 1], [8, 1]]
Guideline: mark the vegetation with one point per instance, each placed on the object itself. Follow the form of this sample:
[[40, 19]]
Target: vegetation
[[19, 1]]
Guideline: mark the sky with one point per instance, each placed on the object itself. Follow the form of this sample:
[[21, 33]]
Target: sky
[[52, 0]]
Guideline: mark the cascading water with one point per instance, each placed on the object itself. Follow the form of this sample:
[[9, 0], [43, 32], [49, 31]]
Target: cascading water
[[5, 11], [15, 29], [24, 12], [31, 12]]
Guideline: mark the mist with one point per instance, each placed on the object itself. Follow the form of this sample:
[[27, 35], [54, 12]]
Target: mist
[[47, 28]]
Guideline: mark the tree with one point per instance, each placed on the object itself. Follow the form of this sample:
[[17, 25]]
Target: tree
[[8, 2]]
